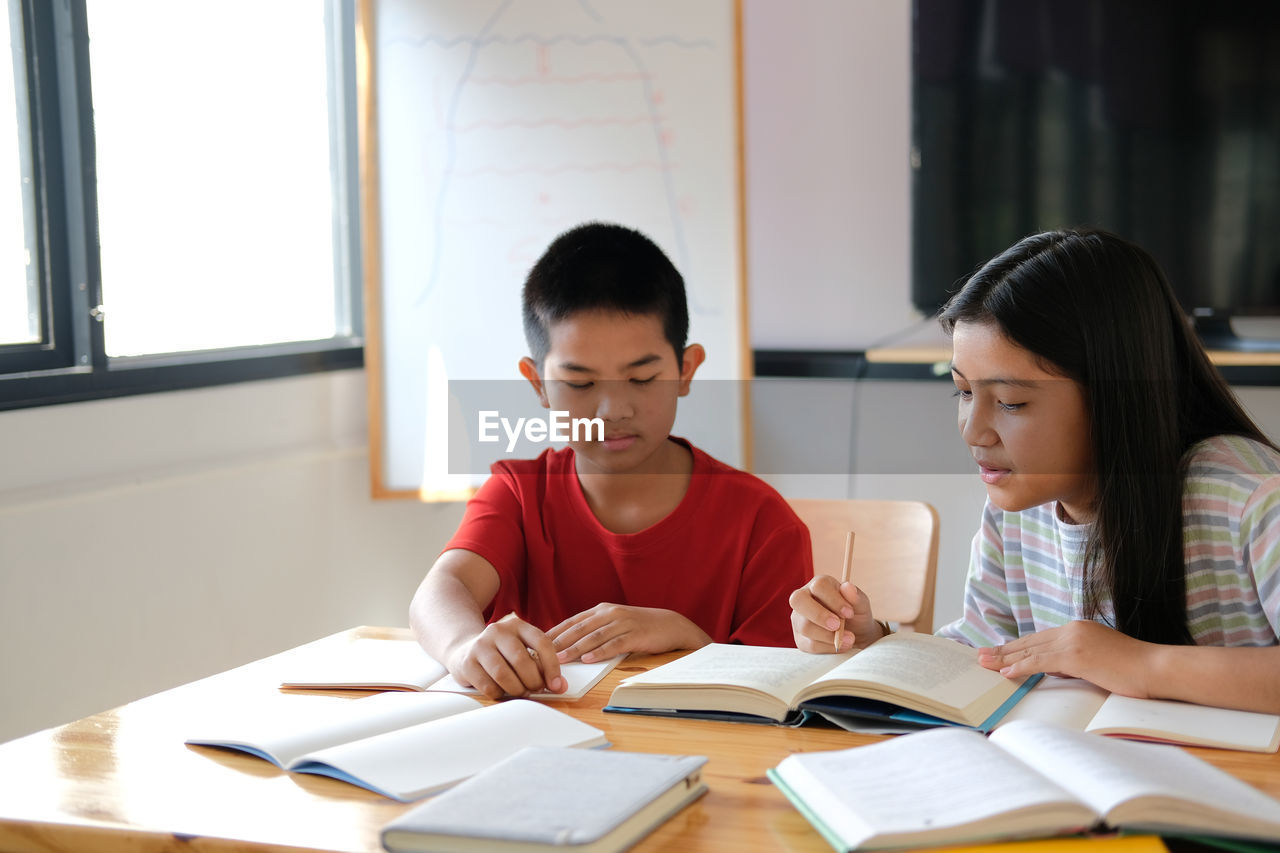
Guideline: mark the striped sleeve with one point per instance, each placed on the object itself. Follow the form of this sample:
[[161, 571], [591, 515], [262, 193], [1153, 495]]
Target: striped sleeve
[[988, 618], [1231, 510], [1260, 533]]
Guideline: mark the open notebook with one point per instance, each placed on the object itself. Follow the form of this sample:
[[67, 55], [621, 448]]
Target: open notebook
[[401, 745], [374, 664]]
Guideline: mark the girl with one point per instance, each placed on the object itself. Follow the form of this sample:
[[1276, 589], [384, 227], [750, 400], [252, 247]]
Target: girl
[[1131, 535]]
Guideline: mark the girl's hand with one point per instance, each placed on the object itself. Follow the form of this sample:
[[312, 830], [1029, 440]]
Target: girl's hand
[[818, 610], [1081, 649], [609, 630]]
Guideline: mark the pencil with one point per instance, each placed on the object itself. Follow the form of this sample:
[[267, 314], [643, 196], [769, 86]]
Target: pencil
[[845, 575]]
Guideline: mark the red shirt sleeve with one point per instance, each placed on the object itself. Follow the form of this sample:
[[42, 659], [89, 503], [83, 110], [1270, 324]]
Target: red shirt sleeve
[[781, 563], [492, 526]]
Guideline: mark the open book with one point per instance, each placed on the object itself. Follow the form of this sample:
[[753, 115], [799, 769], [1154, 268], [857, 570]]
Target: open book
[[375, 664], [1083, 706], [544, 799], [917, 677], [401, 745], [1036, 779]]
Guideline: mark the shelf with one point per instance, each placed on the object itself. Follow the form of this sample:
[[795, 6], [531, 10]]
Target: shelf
[[930, 363]]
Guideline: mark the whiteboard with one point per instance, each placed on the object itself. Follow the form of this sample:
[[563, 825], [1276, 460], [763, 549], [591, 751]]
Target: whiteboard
[[489, 127]]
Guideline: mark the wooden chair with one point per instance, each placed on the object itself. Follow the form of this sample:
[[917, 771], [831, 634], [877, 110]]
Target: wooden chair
[[895, 553]]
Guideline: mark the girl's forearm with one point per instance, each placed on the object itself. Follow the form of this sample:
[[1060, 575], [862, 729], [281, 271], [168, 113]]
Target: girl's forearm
[[1247, 678]]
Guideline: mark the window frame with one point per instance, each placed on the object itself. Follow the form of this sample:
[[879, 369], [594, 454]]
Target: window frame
[[70, 363]]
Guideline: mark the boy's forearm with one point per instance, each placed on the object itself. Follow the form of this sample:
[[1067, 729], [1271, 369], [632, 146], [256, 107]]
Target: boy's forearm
[[688, 634], [443, 615], [1247, 678]]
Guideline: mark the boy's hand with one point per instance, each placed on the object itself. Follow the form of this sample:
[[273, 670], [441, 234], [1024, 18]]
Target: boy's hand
[[819, 607], [609, 630], [509, 657]]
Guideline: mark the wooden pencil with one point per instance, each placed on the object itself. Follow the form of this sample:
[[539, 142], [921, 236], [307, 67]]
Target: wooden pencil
[[846, 575]]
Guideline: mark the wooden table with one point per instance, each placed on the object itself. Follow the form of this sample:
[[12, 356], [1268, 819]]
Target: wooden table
[[124, 780]]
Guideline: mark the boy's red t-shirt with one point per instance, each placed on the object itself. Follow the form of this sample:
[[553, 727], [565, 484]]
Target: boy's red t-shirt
[[727, 558]]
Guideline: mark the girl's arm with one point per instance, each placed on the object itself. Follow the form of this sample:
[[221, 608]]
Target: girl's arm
[[1247, 678], [828, 616], [1237, 677]]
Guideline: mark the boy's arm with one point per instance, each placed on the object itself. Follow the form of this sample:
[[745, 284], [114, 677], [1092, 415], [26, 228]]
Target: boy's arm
[[448, 608], [608, 630], [507, 657]]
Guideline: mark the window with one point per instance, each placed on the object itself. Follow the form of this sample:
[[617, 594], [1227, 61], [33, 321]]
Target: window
[[19, 295], [183, 207]]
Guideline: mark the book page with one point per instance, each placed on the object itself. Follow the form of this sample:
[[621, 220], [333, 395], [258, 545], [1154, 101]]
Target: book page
[[779, 672], [377, 664], [371, 664], [1067, 702], [409, 763], [945, 671], [1182, 722], [1107, 773], [580, 677], [316, 722], [925, 782]]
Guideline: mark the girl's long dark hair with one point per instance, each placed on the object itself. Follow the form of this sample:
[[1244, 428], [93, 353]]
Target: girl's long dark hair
[[1098, 309]]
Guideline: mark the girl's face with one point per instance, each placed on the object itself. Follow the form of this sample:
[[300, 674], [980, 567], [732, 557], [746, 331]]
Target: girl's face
[[1027, 428]]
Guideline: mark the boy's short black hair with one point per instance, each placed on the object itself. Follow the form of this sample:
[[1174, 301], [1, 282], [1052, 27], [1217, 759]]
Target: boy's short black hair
[[605, 267]]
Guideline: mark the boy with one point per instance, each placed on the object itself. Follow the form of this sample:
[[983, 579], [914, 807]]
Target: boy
[[638, 542]]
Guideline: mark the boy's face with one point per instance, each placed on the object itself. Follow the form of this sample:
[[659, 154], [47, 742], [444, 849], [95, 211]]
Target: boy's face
[[622, 369]]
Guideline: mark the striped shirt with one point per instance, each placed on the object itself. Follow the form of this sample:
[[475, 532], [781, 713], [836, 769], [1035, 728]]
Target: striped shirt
[[1026, 572]]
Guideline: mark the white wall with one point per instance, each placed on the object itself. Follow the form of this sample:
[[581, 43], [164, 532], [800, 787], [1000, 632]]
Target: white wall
[[828, 136], [827, 118], [151, 540]]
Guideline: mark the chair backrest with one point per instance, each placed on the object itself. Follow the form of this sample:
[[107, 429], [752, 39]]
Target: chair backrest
[[895, 552]]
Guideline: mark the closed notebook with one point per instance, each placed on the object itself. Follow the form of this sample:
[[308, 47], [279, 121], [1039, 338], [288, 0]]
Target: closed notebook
[[545, 798]]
